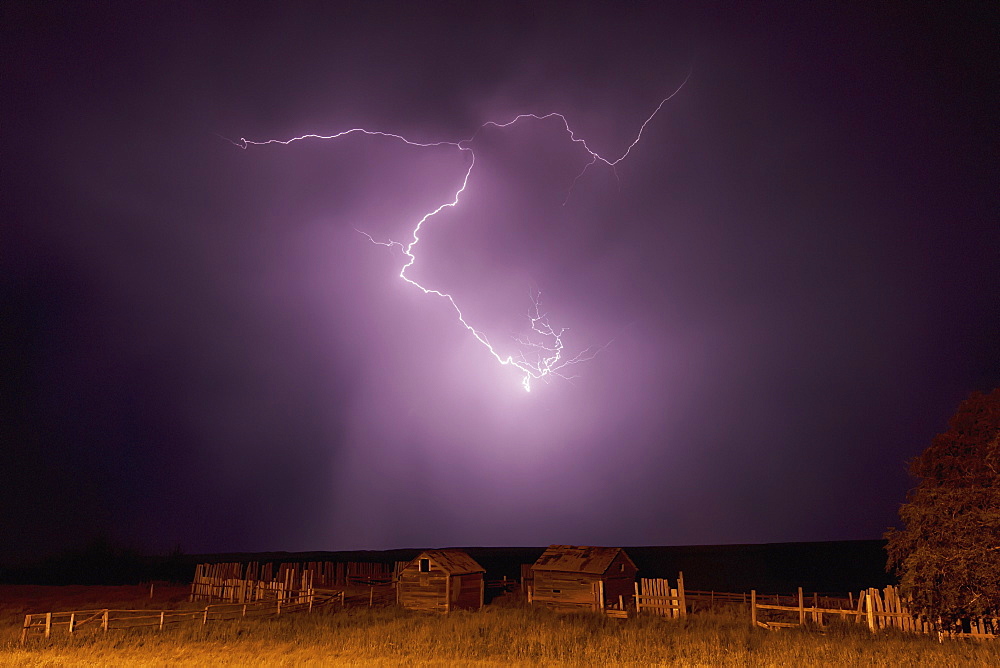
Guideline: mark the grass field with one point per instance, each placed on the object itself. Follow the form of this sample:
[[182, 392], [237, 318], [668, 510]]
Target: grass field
[[506, 633]]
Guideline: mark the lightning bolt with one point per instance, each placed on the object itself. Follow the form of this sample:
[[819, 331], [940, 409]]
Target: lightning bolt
[[542, 354]]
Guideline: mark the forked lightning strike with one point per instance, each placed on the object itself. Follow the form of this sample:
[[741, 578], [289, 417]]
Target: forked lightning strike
[[542, 353]]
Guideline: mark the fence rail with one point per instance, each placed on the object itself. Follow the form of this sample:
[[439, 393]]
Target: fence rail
[[814, 613]]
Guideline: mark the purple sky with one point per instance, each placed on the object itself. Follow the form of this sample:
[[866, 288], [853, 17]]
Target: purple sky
[[797, 269]]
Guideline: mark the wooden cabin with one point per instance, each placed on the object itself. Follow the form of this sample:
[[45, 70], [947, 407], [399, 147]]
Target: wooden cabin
[[571, 577], [441, 581]]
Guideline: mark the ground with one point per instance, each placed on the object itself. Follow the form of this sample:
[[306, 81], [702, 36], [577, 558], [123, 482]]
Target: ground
[[506, 633]]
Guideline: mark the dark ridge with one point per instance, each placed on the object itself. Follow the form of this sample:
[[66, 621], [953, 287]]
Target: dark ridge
[[827, 567]]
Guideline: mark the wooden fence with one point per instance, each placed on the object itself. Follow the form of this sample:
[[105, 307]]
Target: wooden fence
[[44, 623], [877, 609], [659, 598]]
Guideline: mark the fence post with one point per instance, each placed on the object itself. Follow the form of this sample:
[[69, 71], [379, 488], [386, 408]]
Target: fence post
[[869, 610], [24, 631], [72, 621], [105, 620], [753, 608], [204, 619], [48, 624], [802, 609], [680, 592]]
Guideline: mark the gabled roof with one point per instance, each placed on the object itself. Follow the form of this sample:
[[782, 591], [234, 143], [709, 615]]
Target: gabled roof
[[453, 562], [578, 559]]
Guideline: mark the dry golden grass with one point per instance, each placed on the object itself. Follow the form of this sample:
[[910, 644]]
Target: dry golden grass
[[505, 634]]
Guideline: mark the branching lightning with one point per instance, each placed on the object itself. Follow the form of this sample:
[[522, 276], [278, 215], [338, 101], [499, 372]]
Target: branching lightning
[[542, 354]]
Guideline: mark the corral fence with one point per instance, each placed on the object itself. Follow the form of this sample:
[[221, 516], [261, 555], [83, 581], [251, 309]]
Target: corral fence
[[878, 609], [43, 624]]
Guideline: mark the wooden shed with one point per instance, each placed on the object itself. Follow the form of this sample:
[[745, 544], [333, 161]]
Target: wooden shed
[[572, 577], [441, 581]]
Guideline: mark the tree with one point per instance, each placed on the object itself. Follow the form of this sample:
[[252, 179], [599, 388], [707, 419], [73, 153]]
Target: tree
[[947, 555]]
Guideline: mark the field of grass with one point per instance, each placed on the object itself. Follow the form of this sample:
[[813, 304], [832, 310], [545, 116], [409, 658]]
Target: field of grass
[[506, 633]]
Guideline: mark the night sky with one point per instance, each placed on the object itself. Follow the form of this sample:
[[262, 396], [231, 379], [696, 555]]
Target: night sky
[[795, 271]]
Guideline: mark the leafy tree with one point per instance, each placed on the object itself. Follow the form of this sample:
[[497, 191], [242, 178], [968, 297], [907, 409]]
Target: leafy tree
[[947, 555]]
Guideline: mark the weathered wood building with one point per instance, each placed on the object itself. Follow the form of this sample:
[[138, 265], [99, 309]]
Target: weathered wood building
[[571, 577], [441, 581]]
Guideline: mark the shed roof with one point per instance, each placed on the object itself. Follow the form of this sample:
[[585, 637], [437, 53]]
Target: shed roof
[[453, 562], [578, 559]]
